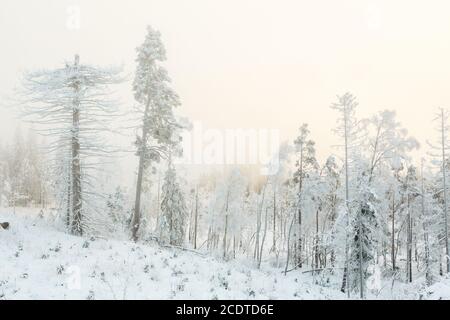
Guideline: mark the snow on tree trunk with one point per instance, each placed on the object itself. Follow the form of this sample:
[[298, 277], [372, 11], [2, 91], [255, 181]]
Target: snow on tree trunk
[[72, 106]]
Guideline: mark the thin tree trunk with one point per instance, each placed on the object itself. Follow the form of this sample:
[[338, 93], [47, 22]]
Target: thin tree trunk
[[425, 232], [69, 196], [158, 207], [225, 237], [393, 233], [263, 239], [288, 246], [136, 221], [409, 242], [76, 165], [300, 262], [360, 236], [196, 218], [316, 245], [444, 174], [258, 222], [226, 226], [274, 221], [345, 278]]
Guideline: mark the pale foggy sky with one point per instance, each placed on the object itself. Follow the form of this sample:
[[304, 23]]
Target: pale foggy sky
[[252, 63]]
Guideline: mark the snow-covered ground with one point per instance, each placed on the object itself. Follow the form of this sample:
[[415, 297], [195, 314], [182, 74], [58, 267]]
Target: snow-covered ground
[[39, 262]]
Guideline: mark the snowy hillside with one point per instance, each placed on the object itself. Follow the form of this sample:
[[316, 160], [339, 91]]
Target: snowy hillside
[[39, 262]]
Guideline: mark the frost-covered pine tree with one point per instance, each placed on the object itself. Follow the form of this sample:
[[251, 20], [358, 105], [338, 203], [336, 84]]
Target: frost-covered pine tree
[[156, 101], [174, 213], [72, 105]]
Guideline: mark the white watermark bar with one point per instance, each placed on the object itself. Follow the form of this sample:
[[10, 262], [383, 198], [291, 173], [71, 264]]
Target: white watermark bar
[[238, 146]]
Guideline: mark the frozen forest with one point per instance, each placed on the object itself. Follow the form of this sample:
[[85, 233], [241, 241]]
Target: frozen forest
[[367, 219]]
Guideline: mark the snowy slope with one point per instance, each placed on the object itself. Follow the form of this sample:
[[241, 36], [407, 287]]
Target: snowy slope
[[41, 263], [38, 262]]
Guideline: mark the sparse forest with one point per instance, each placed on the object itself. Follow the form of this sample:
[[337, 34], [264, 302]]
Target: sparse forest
[[369, 217]]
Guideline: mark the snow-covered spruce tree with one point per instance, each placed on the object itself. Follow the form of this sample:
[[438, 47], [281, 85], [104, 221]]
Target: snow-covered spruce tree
[[441, 152], [174, 214], [305, 163], [156, 101], [72, 104], [363, 241]]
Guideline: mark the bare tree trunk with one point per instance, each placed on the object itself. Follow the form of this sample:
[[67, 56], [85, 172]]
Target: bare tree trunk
[[288, 246], [226, 226], [208, 244], [191, 228], [225, 237], [263, 239], [258, 222], [258, 229]]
